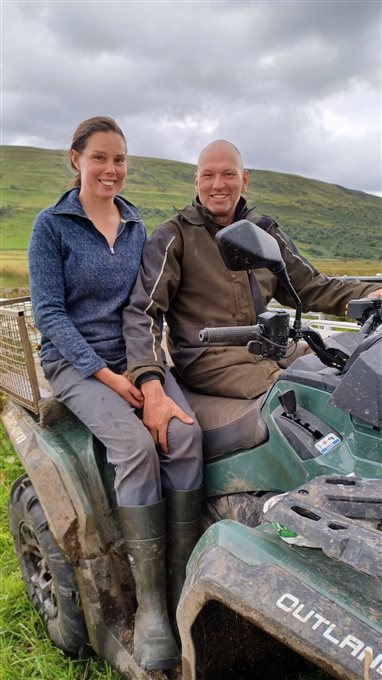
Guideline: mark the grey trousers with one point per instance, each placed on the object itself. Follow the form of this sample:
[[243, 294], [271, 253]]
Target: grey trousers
[[140, 468]]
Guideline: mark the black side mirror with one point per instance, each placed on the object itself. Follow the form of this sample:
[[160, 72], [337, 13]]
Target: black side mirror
[[244, 245]]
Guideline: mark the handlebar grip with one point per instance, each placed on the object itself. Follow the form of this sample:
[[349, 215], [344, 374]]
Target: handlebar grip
[[230, 335]]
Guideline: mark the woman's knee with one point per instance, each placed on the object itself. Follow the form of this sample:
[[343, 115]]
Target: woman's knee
[[130, 448], [137, 471]]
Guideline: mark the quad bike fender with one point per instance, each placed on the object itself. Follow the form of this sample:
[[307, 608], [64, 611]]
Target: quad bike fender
[[296, 595], [52, 464]]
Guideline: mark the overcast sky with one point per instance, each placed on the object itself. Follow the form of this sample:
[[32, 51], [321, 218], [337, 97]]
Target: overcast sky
[[295, 84]]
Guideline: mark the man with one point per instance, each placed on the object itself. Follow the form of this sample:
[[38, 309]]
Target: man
[[183, 277]]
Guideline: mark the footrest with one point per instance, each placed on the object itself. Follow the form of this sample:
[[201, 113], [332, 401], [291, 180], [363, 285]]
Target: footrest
[[321, 510]]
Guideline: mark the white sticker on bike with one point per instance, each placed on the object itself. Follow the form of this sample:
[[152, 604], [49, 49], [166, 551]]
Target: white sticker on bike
[[327, 443]]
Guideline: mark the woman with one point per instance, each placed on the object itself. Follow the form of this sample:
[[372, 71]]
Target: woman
[[84, 256]]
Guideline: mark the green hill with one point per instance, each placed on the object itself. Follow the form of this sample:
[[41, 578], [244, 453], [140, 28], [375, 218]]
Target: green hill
[[325, 220]]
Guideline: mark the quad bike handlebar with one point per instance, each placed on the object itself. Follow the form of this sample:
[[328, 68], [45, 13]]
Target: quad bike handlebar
[[269, 337], [245, 246]]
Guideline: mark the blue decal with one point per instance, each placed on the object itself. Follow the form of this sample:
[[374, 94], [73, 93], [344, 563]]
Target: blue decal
[[327, 443]]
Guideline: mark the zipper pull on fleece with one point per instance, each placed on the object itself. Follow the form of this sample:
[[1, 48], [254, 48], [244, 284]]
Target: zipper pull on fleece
[[112, 250]]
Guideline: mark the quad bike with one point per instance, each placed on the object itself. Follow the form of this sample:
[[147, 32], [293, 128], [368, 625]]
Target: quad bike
[[252, 603]]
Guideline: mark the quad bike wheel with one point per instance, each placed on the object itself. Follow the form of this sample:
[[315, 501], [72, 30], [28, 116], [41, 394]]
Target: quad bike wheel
[[49, 578]]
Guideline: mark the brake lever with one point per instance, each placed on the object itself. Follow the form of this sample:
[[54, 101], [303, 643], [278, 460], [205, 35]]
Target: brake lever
[[330, 356]]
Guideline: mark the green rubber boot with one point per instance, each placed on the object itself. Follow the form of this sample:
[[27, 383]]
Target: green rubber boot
[[144, 532], [183, 530]]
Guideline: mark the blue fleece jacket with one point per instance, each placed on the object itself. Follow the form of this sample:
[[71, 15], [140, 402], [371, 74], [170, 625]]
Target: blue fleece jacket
[[79, 285]]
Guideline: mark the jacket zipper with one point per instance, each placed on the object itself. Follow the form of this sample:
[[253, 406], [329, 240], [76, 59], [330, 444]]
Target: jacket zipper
[[111, 248]]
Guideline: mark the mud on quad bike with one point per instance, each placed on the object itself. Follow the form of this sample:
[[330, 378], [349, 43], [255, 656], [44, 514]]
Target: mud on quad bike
[[252, 603]]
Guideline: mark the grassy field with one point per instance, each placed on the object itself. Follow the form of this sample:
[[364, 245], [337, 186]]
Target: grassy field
[[14, 269], [337, 229], [325, 220]]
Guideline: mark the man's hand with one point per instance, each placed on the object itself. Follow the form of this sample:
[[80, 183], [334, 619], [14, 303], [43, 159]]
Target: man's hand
[[122, 385], [158, 409], [376, 294]]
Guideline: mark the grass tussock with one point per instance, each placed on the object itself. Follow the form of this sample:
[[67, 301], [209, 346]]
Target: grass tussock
[[343, 267], [13, 269]]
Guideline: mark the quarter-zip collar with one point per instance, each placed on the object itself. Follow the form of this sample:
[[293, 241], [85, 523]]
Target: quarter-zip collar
[[69, 204]]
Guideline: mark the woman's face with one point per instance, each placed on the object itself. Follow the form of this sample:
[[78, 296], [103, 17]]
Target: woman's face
[[102, 165]]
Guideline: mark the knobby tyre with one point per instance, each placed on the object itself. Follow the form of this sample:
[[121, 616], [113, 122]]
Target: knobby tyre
[[48, 576]]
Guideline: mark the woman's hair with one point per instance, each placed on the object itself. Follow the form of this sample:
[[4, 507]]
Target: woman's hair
[[85, 130]]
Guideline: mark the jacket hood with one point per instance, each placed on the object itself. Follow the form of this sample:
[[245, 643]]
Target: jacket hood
[[69, 204]]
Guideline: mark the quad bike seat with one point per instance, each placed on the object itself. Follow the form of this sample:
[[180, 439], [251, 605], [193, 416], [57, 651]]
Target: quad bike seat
[[227, 424]]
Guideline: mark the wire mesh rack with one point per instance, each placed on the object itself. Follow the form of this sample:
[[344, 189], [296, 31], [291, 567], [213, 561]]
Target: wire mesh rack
[[19, 346]]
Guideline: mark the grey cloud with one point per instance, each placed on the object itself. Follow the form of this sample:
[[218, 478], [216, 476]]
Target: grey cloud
[[178, 74]]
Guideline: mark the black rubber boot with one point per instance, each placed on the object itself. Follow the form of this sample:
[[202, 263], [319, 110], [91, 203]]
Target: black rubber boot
[[144, 531], [183, 530]]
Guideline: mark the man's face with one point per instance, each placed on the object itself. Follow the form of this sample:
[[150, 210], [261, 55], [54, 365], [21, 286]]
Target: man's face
[[220, 180]]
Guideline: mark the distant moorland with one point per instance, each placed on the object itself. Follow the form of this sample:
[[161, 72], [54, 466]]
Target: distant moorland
[[338, 229]]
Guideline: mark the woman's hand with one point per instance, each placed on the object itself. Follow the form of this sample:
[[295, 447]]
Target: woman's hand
[[158, 409], [122, 385]]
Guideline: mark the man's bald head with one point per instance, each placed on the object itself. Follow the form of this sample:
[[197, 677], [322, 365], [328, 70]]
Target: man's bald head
[[220, 179], [219, 146]]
